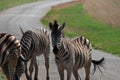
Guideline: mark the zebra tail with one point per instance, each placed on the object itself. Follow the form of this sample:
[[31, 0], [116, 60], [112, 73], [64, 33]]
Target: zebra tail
[[98, 64], [21, 30]]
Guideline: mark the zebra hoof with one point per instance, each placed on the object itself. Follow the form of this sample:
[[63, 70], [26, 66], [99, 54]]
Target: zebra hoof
[[47, 78], [35, 78]]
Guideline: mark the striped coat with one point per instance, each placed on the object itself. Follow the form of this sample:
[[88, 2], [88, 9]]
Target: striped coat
[[10, 50], [78, 50], [35, 43], [71, 55]]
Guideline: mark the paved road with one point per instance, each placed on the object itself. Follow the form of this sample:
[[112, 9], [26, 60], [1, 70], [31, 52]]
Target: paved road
[[27, 16]]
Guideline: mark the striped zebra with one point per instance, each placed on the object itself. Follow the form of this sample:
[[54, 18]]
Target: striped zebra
[[10, 50], [20, 69], [35, 43], [71, 55]]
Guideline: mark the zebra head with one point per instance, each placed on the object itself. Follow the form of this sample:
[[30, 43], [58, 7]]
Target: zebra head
[[56, 33]]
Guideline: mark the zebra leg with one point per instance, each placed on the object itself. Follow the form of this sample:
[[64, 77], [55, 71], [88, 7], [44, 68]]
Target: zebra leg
[[69, 72], [36, 69], [12, 66], [47, 67], [5, 70], [46, 55], [20, 68], [87, 70], [61, 72], [26, 72], [76, 75], [31, 67]]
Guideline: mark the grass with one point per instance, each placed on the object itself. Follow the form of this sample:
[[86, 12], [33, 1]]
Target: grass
[[4, 4], [2, 77], [78, 23]]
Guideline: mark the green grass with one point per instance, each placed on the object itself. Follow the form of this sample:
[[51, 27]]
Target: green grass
[[78, 23], [4, 4], [2, 77]]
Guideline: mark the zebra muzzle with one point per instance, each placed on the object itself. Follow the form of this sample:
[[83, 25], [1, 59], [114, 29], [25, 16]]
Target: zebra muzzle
[[55, 49]]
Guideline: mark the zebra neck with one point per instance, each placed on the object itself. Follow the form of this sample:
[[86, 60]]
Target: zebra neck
[[60, 52]]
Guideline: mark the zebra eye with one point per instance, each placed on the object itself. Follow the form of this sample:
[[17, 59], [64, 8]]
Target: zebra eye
[[58, 45]]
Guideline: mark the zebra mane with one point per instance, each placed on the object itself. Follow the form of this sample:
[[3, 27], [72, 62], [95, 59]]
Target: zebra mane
[[56, 25], [42, 30]]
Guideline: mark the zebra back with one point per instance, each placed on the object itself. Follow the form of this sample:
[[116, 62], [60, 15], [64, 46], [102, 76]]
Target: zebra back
[[82, 42], [43, 32], [34, 42]]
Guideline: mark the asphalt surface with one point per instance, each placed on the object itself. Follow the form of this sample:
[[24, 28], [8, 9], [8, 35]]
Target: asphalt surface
[[28, 16]]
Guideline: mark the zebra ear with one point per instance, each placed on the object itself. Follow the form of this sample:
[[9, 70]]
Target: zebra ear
[[50, 25], [62, 26]]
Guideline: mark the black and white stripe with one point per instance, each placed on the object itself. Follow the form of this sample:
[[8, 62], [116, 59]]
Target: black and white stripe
[[10, 50], [71, 55], [35, 43]]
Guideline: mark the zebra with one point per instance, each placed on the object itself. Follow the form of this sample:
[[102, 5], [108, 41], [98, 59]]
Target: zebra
[[20, 69], [10, 50], [35, 43], [73, 54]]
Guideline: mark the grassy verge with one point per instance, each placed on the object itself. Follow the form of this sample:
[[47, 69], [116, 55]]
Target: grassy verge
[[2, 77], [4, 4], [78, 23]]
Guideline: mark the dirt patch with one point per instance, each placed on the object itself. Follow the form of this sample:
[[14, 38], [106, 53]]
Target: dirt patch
[[102, 10], [65, 5], [107, 11]]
